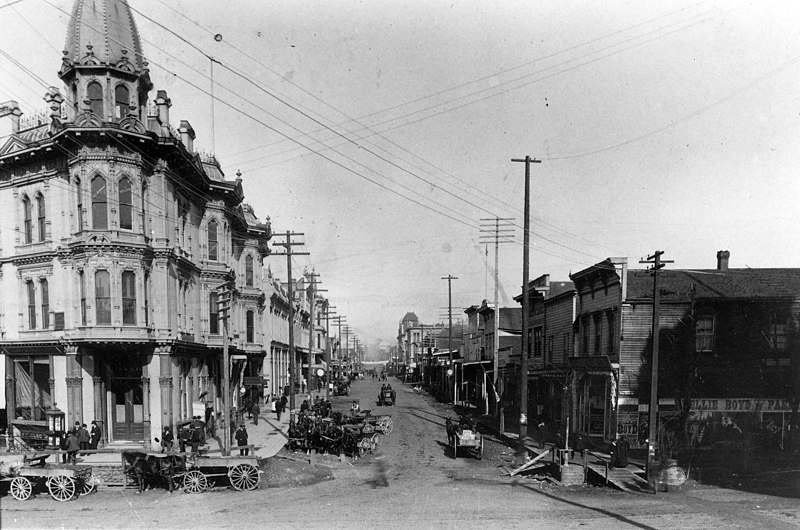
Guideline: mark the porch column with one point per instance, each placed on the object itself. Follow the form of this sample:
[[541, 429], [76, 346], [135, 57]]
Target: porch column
[[97, 395], [165, 385], [11, 402]]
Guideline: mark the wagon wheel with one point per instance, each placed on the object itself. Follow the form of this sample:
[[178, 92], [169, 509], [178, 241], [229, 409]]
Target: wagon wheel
[[21, 488], [62, 488], [362, 449], [375, 442], [87, 485], [387, 425], [195, 481], [244, 477]]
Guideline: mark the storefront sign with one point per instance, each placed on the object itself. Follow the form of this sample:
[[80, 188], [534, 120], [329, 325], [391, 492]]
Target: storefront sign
[[741, 405]]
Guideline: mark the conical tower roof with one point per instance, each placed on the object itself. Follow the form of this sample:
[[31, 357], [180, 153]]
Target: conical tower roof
[[103, 33]]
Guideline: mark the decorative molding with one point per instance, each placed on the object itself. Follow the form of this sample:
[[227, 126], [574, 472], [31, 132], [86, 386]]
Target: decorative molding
[[73, 382], [165, 381]]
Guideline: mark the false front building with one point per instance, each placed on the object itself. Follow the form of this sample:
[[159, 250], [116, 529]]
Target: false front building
[[114, 237]]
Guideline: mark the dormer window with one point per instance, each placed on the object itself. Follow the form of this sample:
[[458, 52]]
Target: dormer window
[[121, 102], [94, 92]]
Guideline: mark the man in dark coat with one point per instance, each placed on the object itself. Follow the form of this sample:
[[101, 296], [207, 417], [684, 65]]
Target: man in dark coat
[[241, 440], [278, 408], [94, 435], [73, 446], [166, 440], [255, 410], [83, 437]]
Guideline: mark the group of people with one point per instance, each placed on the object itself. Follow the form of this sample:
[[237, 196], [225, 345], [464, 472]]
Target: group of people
[[386, 387], [79, 438]]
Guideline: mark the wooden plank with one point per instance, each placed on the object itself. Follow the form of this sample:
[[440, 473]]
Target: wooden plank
[[622, 478], [529, 463]]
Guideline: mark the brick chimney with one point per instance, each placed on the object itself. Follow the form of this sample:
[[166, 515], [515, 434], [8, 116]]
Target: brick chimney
[[722, 260], [9, 118]]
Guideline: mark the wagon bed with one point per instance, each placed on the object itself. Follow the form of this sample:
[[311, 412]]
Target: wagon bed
[[63, 481]]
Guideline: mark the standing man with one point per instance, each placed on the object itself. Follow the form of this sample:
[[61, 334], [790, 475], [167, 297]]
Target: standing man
[[73, 446], [278, 407], [241, 440], [256, 410], [94, 435], [83, 438]]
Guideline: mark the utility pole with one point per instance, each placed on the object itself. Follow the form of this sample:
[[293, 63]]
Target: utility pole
[[502, 233], [224, 303], [450, 279], [657, 263], [523, 387], [328, 379], [288, 244]]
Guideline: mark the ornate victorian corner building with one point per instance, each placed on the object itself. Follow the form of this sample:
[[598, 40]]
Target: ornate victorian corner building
[[114, 237]]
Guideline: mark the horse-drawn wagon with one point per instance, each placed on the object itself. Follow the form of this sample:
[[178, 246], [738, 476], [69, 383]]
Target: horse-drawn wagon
[[464, 435], [194, 473], [30, 475]]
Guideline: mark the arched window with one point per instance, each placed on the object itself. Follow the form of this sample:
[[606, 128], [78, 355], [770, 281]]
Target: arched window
[[31, 304], [99, 206], [102, 297], [27, 213], [129, 298], [95, 94], [125, 205], [248, 271], [45, 304], [250, 326], [40, 208], [213, 314], [80, 203], [213, 251], [122, 102]]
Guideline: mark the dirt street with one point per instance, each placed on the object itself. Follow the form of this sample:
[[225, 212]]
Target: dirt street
[[413, 482]]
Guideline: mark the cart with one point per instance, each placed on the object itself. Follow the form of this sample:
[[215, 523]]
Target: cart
[[241, 472], [470, 440], [28, 476]]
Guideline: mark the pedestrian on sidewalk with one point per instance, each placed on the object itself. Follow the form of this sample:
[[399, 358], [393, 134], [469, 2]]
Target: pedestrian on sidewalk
[[166, 440], [73, 446], [94, 435], [83, 438], [241, 440], [256, 410]]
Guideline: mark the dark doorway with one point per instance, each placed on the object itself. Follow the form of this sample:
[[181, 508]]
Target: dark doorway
[[126, 398]]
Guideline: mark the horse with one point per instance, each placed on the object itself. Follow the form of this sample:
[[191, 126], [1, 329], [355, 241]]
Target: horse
[[148, 469]]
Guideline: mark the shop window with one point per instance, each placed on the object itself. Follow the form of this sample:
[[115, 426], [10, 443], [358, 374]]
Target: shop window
[[27, 213], [94, 93], [40, 210], [704, 333], [99, 204], [31, 388], [125, 205], [213, 253], [45, 292], [102, 297], [213, 314], [129, 298]]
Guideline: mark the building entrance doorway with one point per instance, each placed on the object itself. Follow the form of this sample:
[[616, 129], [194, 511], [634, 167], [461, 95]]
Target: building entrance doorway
[[126, 399]]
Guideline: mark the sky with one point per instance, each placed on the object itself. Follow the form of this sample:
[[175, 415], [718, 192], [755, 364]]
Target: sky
[[384, 132]]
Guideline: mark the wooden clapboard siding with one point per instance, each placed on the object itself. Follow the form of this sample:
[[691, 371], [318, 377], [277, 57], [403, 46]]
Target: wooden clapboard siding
[[559, 325]]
